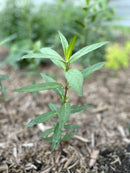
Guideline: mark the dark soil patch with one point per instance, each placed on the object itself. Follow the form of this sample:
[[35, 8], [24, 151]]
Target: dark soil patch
[[114, 160]]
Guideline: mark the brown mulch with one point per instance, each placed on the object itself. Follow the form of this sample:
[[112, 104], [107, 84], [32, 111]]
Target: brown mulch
[[101, 145]]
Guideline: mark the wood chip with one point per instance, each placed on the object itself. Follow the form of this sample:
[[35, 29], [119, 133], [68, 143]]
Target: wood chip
[[15, 152], [94, 156], [4, 168], [70, 167], [122, 132], [2, 145], [69, 161], [126, 140], [28, 145], [101, 108], [30, 166], [116, 160], [92, 140], [47, 170], [42, 127], [81, 138]]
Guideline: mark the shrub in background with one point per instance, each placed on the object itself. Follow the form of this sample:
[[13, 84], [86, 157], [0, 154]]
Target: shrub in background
[[37, 23], [4, 77], [117, 56], [93, 28]]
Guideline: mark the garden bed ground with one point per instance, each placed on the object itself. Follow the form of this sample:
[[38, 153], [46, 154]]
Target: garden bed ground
[[102, 145]]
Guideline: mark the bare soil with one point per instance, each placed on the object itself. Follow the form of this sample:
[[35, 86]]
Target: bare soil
[[101, 145]]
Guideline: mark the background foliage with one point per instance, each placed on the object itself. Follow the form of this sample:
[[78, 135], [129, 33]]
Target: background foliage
[[33, 23]]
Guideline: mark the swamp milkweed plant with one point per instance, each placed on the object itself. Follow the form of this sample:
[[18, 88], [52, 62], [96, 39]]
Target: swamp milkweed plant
[[73, 78]]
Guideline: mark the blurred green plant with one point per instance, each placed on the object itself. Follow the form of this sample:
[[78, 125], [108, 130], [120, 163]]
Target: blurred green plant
[[37, 23], [73, 79], [4, 77], [117, 56], [93, 28], [3, 88]]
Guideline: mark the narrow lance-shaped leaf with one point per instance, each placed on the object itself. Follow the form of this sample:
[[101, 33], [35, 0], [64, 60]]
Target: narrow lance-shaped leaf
[[57, 136], [53, 107], [85, 50], [64, 43], [87, 71], [54, 56], [63, 117], [47, 53], [71, 126], [76, 108], [64, 113], [75, 80], [71, 47], [46, 133], [68, 136], [3, 88], [48, 139], [11, 37], [47, 78], [3, 77], [80, 23], [39, 87], [42, 118], [87, 2]]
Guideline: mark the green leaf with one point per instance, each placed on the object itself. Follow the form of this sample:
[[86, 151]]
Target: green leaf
[[64, 43], [34, 55], [76, 108], [42, 118], [56, 137], [85, 50], [63, 117], [39, 87], [75, 80], [12, 37], [46, 133], [71, 126], [87, 71], [87, 2], [3, 77], [80, 23], [54, 56], [47, 78], [71, 47], [48, 139], [64, 113], [47, 53], [3, 88], [68, 136], [53, 107]]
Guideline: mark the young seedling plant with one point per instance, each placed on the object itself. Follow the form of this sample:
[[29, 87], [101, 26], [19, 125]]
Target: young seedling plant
[[73, 79]]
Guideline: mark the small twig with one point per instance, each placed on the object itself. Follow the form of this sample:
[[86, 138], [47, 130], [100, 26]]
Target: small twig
[[94, 157], [81, 138]]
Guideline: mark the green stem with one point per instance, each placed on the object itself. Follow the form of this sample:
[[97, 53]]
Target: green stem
[[66, 86]]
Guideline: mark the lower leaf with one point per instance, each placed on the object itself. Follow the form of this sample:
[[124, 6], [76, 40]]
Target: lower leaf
[[42, 118], [39, 87], [46, 133], [71, 126], [56, 137], [68, 136], [76, 108], [49, 139]]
